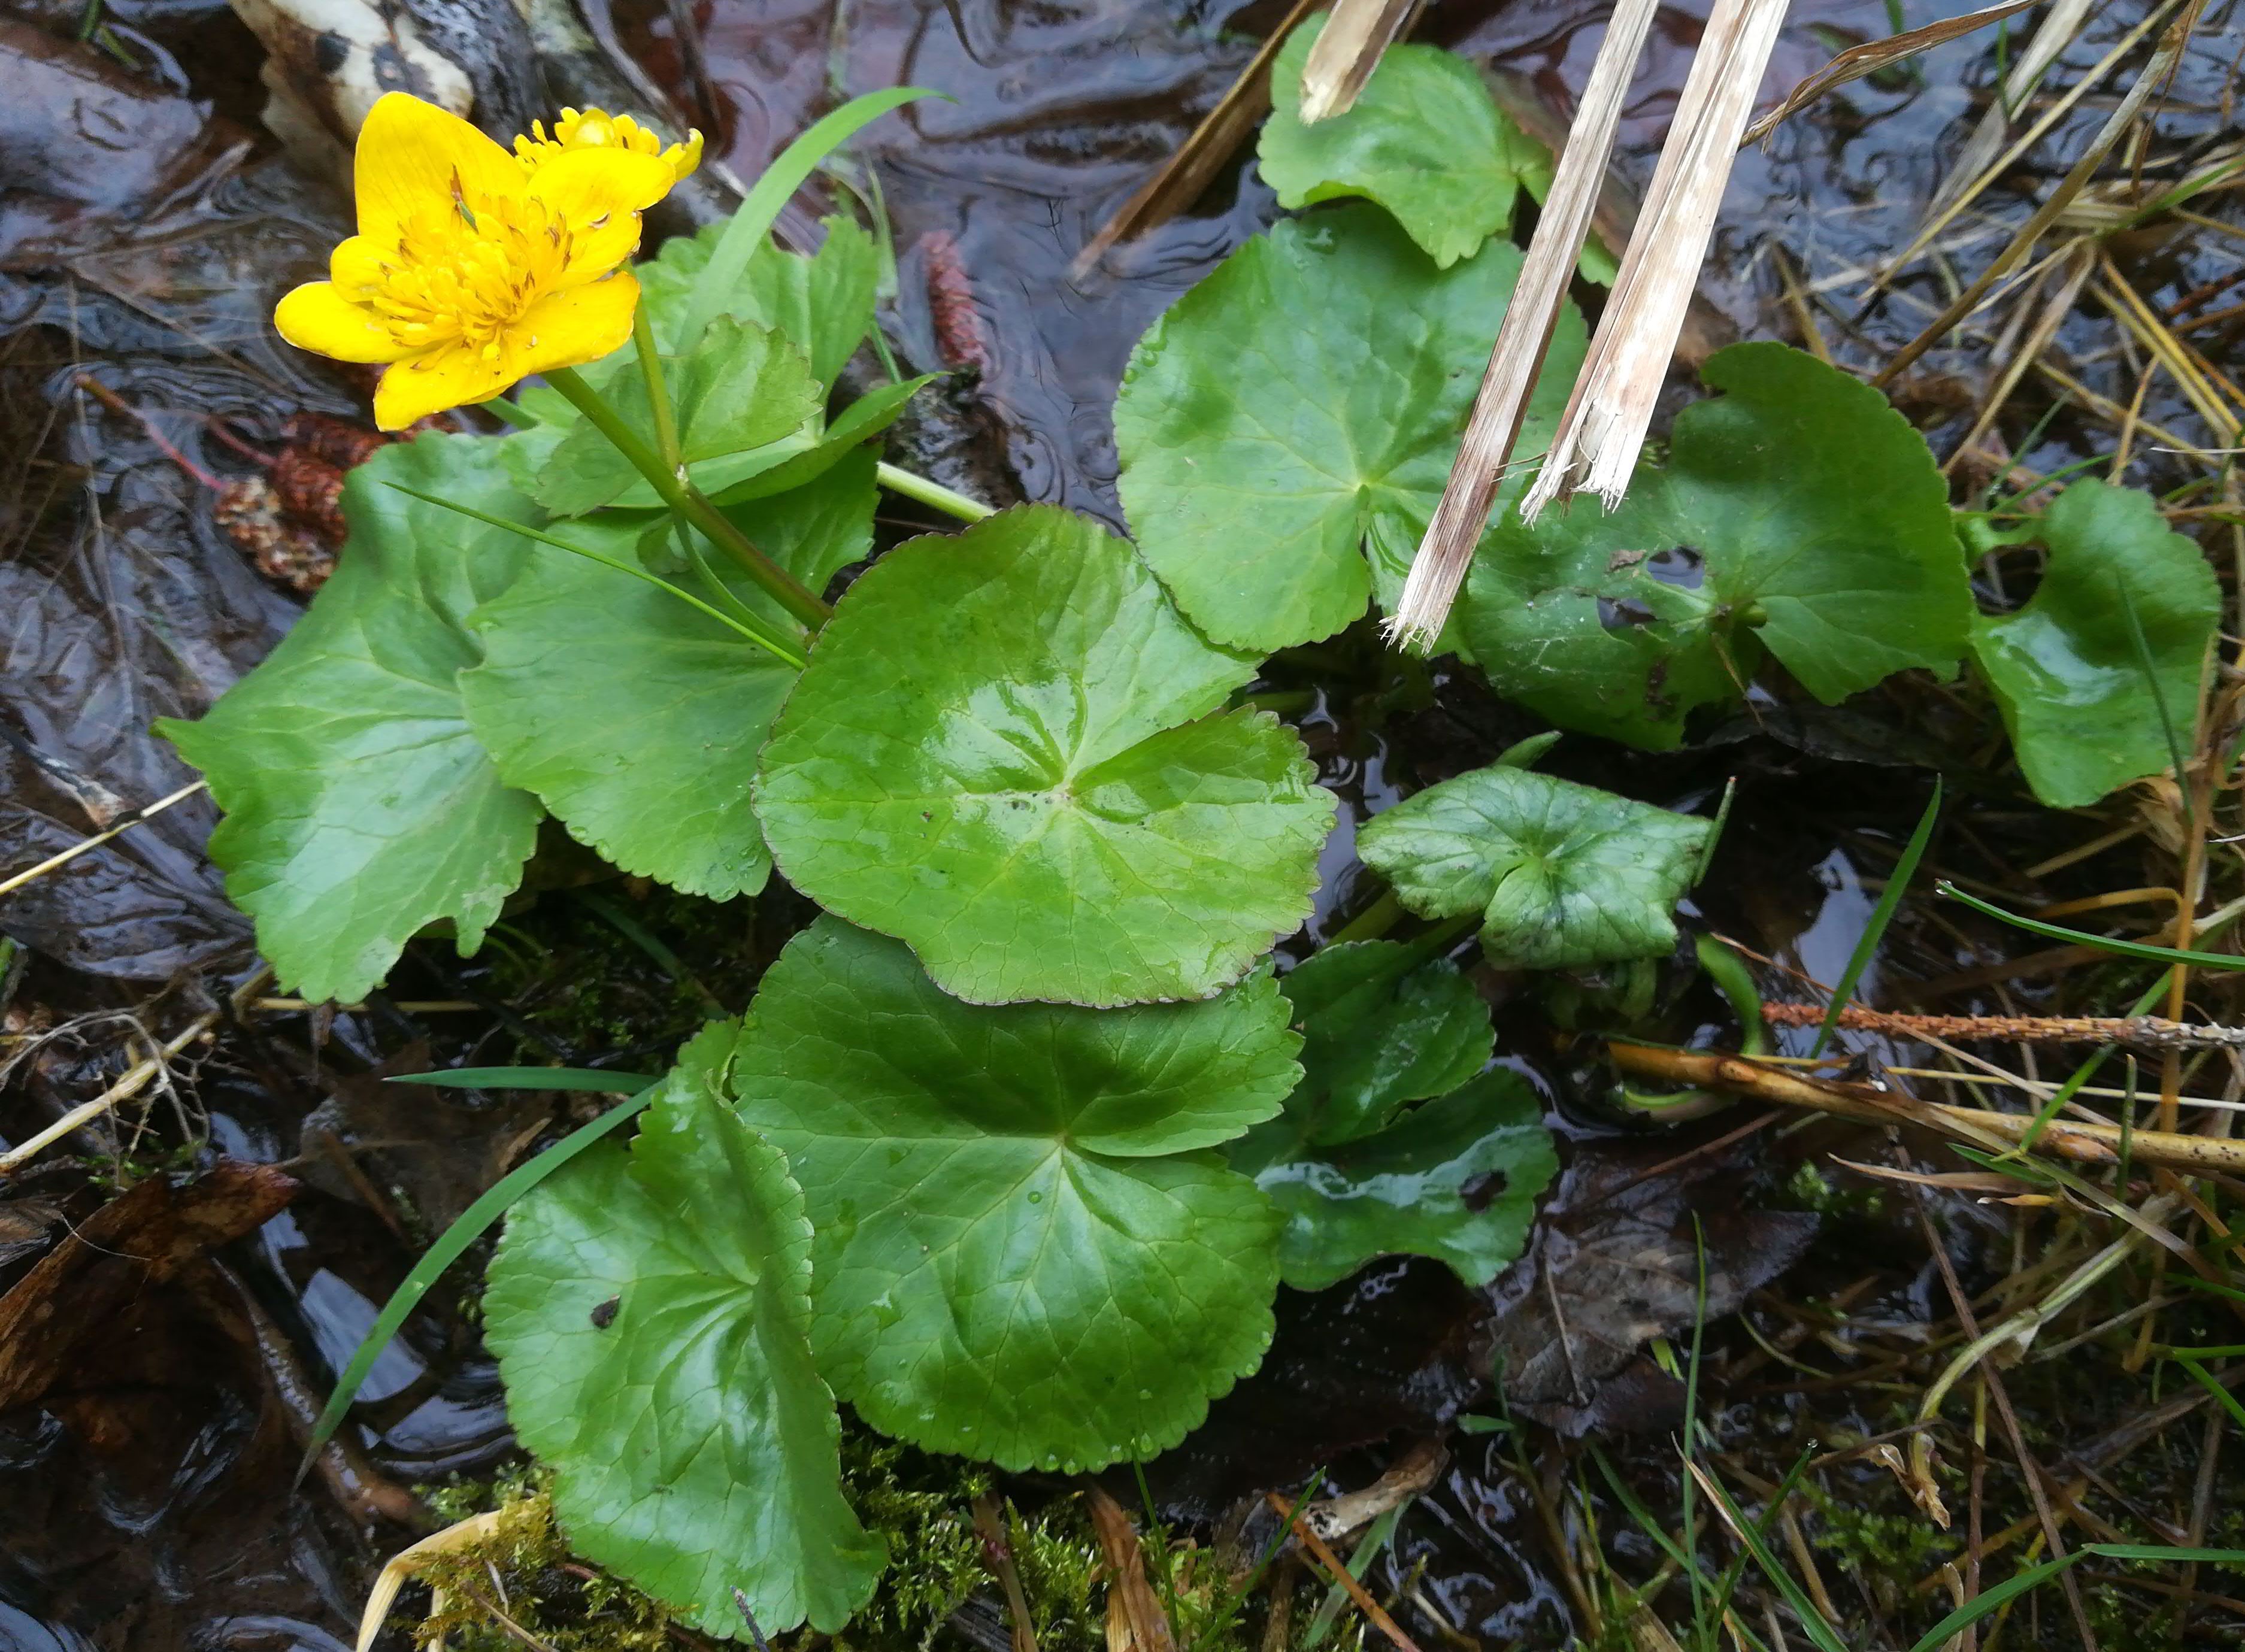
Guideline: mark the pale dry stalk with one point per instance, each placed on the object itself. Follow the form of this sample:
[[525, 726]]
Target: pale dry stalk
[[1606, 419], [1523, 336], [1356, 36]]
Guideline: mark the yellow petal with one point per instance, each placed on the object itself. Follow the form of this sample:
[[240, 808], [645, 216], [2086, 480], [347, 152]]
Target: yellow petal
[[588, 186], [317, 318], [578, 325], [684, 157], [412, 154], [451, 375], [357, 262]]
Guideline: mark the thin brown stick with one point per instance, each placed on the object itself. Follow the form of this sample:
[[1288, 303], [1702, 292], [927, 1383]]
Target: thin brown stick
[[1183, 177], [2092, 1144], [1126, 1573], [1316, 1545], [2153, 1032]]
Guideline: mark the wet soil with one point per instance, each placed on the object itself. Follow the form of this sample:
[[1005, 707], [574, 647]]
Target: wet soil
[[146, 224]]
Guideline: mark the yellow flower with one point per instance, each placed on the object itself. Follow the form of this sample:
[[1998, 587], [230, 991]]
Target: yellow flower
[[469, 271], [595, 129]]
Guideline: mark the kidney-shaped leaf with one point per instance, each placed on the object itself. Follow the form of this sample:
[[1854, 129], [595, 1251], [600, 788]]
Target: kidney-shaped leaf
[[1024, 1253], [636, 718], [2084, 715], [1003, 752], [359, 807], [1564, 876], [1456, 1179], [1302, 403], [651, 1313], [1382, 1024], [1424, 138], [1798, 511]]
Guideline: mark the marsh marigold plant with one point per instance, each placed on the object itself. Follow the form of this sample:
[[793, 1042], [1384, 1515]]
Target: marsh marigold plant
[[473, 268]]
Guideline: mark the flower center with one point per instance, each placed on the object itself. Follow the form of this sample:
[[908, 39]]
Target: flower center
[[466, 272]]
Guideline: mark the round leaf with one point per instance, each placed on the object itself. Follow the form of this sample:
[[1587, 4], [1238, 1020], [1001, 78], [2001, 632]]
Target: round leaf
[[1381, 1025], [1456, 1180], [636, 718], [651, 1314], [1023, 1254], [1799, 511], [1003, 752], [1307, 396], [1565, 876], [2085, 715]]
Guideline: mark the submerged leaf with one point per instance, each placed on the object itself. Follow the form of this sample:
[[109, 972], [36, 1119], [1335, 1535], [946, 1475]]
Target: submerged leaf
[[1564, 876], [1381, 1025], [1299, 410], [1456, 1179], [359, 807], [2084, 717], [1025, 1253], [1007, 750], [651, 1313], [1799, 511], [1424, 138], [635, 718]]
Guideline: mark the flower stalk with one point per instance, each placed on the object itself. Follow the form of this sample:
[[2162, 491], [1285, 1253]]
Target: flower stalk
[[689, 501]]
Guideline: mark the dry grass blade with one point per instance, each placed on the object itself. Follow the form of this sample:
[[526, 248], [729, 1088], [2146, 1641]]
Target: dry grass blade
[[2116, 126], [1356, 38], [1135, 1617], [1605, 425], [1316, 1545], [1875, 55], [2059, 28], [471, 1533], [124, 823], [2079, 262], [1183, 177], [1523, 336], [2139, 1032]]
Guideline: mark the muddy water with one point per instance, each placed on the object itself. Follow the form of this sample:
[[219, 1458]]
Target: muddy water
[[194, 1538]]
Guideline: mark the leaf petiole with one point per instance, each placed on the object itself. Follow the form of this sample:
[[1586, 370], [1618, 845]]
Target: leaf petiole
[[934, 495]]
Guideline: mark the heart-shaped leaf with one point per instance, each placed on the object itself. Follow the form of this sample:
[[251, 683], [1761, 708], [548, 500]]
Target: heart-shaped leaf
[[1564, 876], [1382, 1024], [744, 401], [2084, 715], [651, 1313], [1799, 511], [636, 718], [1300, 409], [1456, 1179], [359, 807], [1003, 752], [1424, 138], [1025, 1253]]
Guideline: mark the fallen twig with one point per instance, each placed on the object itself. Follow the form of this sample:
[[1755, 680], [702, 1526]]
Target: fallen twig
[[2153, 1032], [1316, 1545], [123, 823], [2094, 1144]]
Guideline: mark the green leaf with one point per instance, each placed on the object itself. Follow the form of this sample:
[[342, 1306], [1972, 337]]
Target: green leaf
[[2085, 718], [744, 401], [1382, 1024], [651, 1314], [1025, 1253], [1456, 1180], [636, 718], [1799, 511], [824, 302], [359, 807], [1424, 139], [860, 421], [1305, 398], [1007, 751], [1564, 876]]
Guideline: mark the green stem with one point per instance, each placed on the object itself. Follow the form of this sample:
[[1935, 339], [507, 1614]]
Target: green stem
[[658, 397], [689, 501], [934, 495]]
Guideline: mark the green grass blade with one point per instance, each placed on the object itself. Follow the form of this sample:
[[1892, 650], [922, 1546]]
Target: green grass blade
[[1988, 1600], [2104, 943], [1819, 1630], [592, 1079], [1882, 915], [2206, 1380], [714, 285], [474, 1220]]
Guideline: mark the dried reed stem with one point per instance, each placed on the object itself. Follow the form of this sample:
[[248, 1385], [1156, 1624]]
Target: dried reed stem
[[1356, 36], [1605, 425], [1525, 334], [2137, 1031]]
